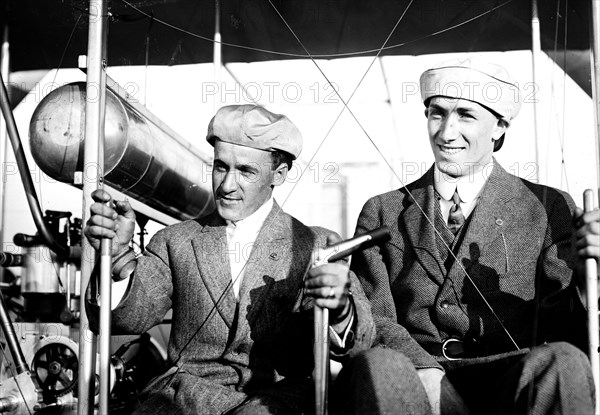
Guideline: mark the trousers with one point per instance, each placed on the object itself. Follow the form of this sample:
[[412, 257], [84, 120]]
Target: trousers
[[554, 378]]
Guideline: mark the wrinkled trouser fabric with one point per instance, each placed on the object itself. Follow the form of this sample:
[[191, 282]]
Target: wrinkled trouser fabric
[[554, 378], [381, 381]]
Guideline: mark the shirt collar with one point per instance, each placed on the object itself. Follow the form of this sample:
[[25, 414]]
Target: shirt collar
[[468, 186], [256, 219]]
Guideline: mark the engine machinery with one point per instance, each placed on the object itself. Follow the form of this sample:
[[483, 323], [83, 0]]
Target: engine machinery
[[143, 159], [46, 330]]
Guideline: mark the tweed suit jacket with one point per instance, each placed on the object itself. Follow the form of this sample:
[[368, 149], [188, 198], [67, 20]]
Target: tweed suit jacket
[[517, 249], [220, 350]]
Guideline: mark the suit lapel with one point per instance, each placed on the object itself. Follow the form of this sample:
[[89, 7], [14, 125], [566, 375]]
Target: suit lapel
[[491, 216], [269, 252], [420, 229], [210, 249]]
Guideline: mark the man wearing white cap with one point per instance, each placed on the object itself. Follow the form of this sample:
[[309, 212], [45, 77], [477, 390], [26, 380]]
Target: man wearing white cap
[[240, 282], [477, 288]]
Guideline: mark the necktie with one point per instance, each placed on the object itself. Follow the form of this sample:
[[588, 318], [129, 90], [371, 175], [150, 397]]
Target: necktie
[[456, 219]]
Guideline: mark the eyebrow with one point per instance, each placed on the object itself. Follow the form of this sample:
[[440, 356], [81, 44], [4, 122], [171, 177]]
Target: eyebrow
[[466, 109], [457, 107], [237, 166], [219, 161], [436, 107], [247, 167]]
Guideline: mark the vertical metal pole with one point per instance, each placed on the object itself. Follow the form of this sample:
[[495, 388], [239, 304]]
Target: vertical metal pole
[[105, 319], [536, 50], [217, 60], [595, 60], [321, 358], [93, 163], [396, 149], [591, 285], [595, 72], [4, 70], [344, 212]]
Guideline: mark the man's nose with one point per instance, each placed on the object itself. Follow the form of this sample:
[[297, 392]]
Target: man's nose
[[229, 183], [449, 129]]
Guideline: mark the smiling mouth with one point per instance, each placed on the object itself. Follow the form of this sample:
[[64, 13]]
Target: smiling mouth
[[450, 150]]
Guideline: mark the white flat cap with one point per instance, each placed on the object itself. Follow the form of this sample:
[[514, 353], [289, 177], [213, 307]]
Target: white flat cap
[[475, 80], [256, 127]]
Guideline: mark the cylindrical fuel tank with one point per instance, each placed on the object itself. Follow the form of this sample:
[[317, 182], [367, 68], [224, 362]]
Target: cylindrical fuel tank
[[141, 159]]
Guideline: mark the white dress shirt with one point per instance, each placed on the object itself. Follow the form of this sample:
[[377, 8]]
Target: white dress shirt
[[241, 236], [469, 189]]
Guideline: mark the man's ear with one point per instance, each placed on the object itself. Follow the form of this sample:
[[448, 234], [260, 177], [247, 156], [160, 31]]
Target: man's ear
[[279, 174], [499, 129], [426, 112]]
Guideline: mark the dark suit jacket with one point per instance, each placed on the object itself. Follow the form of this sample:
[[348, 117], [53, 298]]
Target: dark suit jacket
[[221, 350], [517, 249]]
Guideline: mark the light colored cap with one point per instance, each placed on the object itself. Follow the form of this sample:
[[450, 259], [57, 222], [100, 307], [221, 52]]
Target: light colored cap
[[254, 126], [475, 80]]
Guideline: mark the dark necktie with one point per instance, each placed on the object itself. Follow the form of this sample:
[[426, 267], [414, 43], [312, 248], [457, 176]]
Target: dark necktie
[[456, 219]]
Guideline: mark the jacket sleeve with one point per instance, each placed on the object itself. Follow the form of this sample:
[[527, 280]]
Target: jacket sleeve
[[148, 297], [562, 314], [371, 268], [362, 331]]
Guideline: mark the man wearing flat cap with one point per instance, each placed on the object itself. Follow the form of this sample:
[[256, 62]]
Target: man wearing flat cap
[[476, 298], [240, 282]]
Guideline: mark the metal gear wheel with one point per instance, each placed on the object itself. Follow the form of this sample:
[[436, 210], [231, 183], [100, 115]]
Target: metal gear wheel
[[56, 367]]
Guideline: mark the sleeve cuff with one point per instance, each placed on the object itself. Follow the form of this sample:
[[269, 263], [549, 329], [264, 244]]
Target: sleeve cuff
[[341, 338], [121, 268]]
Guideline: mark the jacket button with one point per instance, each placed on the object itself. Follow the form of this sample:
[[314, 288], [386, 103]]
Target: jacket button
[[444, 304]]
